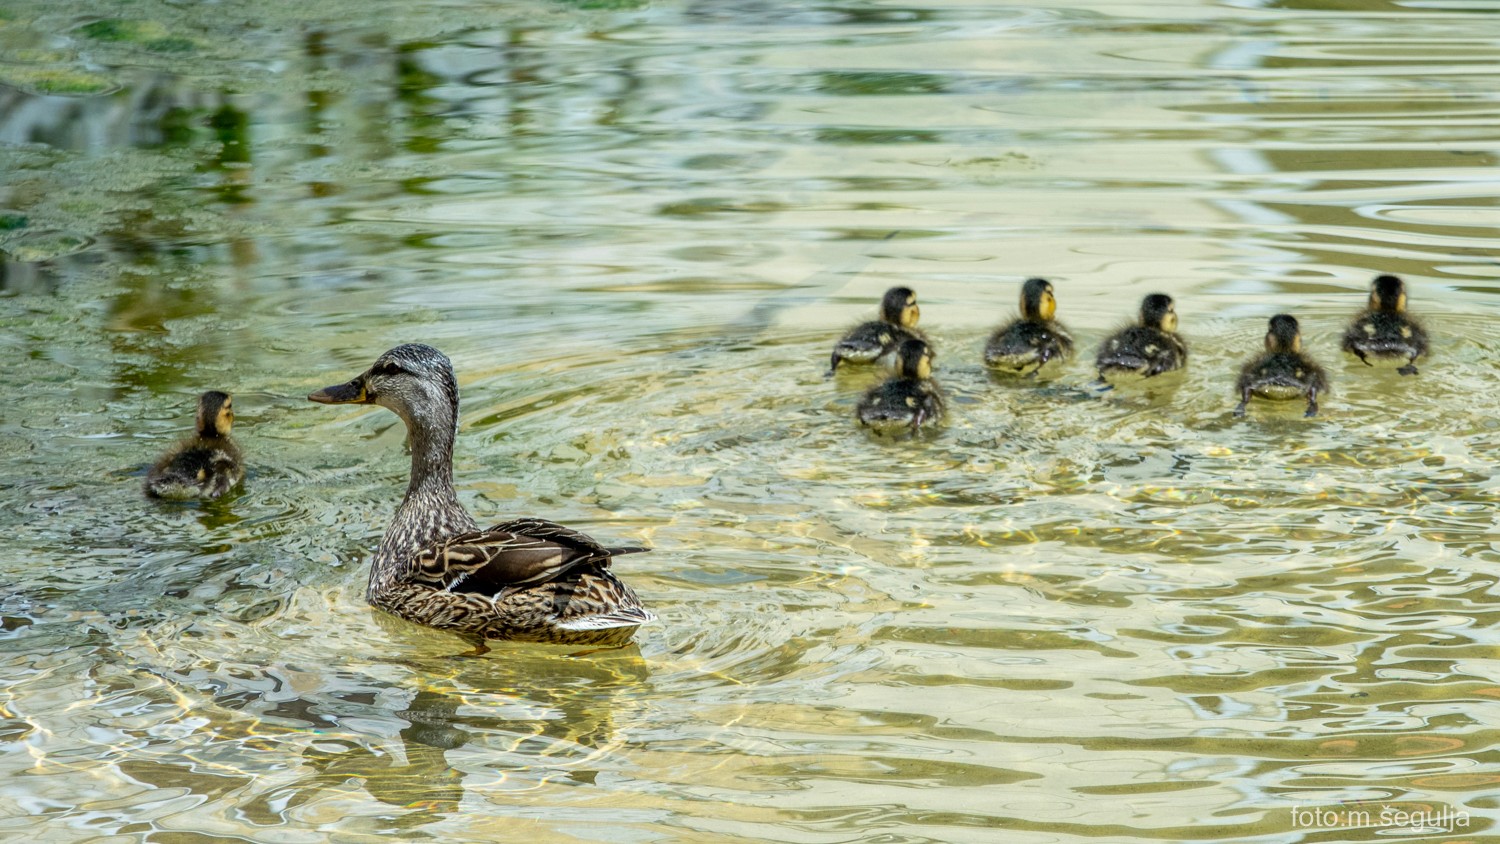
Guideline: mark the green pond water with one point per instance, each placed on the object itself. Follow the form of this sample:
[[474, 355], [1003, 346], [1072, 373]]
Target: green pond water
[[637, 228]]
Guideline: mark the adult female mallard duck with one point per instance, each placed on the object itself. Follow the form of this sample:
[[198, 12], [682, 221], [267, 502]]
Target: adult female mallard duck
[[1384, 329], [876, 339], [908, 399], [1147, 348], [205, 465], [525, 579], [1283, 371], [1033, 339]]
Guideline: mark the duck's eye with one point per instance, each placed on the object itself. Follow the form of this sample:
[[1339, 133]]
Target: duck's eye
[[386, 368]]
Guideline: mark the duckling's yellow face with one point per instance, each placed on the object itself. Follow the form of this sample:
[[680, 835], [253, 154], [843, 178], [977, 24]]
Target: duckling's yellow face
[[1169, 320], [215, 417], [910, 313], [224, 422], [924, 366], [1047, 308]]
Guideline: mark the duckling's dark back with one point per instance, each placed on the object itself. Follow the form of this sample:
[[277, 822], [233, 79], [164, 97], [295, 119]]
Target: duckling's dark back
[[1141, 349], [202, 470]]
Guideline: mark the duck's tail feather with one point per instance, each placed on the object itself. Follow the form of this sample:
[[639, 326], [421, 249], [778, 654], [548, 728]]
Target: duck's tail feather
[[625, 617]]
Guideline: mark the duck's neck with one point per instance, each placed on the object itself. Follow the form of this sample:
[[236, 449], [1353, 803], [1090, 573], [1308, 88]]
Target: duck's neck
[[431, 457], [431, 509]]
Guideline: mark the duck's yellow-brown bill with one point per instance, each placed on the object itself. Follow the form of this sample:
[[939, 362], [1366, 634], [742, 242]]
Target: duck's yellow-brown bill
[[351, 393]]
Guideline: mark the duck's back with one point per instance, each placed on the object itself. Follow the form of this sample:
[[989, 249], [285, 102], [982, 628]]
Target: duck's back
[[1282, 375], [1143, 350], [593, 608], [870, 341], [199, 468], [1026, 343], [1385, 335], [529, 580]]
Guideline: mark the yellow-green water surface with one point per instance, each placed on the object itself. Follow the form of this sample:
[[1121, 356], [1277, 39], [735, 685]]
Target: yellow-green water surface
[[636, 227]]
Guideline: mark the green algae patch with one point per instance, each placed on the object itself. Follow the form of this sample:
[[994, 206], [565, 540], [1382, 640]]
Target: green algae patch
[[56, 81], [147, 34]]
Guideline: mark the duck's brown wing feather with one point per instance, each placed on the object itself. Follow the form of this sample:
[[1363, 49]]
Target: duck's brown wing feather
[[510, 555], [563, 535]]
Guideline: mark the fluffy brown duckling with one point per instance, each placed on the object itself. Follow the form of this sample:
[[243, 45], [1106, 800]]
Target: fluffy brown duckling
[[1148, 348], [205, 465], [1384, 329], [1034, 339], [1283, 371], [908, 399], [871, 341]]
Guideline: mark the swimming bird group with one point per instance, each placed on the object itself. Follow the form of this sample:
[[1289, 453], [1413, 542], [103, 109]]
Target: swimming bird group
[[524, 579], [1149, 347], [530, 579]]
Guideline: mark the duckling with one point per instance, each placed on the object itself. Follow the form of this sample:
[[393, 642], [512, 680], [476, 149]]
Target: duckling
[[1284, 371], [909, 398], [1384, 329], [1035, 338], [205, 465], [876, 339], [1149, 348]]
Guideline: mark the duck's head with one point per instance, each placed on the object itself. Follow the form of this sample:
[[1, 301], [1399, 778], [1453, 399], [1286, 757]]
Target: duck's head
[[415, 381], [1284, 334], [1037, 301], [1388, 293], [899, 307], [215, 414], [1157, 311], [914, 359]]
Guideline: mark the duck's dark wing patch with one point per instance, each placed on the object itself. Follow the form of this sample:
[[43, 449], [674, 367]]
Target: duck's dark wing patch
[[491, 562], [564, 535], [510, 555]]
